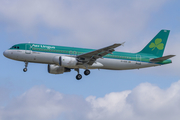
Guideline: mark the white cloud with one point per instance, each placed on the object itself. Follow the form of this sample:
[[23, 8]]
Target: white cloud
[[40, 103], [82, 22], [145, 102]]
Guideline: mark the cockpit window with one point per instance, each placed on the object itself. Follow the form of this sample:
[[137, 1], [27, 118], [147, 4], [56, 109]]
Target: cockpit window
[[14, 47]]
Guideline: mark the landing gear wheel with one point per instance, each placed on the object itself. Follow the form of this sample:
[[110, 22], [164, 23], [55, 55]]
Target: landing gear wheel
[[87, 72], [26, 65], [78, 76], [25, 69]]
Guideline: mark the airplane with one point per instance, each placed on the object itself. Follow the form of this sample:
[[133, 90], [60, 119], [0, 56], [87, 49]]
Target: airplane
[[62, 59]]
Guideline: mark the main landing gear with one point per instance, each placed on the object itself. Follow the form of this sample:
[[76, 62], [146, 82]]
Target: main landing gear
[[87, 72], [79, 76], [26, 65]]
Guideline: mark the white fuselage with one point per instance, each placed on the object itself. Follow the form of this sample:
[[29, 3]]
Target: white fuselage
[[101, 63]]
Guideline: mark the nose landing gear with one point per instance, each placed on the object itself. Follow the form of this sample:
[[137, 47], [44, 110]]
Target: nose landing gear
[[25, 69], [26, 65]]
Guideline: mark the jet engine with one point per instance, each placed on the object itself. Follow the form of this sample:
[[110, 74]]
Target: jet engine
[[55, 69], [65, 61]]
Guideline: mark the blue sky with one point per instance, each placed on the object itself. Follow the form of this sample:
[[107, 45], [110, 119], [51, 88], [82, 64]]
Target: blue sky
[[88, 24]]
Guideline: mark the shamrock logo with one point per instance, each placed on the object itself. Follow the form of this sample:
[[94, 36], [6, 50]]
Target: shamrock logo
[[157, 44]]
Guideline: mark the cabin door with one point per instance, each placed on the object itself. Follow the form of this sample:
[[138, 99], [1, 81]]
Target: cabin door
[[138, 59], [28, 48]]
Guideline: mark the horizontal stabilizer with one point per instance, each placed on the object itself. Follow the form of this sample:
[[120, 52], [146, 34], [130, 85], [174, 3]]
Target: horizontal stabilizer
[[160, 59]]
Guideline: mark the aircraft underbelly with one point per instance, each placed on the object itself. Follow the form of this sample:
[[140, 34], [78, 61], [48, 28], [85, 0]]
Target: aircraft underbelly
[[116, 64]]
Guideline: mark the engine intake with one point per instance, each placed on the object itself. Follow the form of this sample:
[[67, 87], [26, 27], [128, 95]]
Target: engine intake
[[55, 69]]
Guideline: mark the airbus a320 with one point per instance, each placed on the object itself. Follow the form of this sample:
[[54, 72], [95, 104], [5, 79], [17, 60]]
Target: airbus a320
[[62, 59]]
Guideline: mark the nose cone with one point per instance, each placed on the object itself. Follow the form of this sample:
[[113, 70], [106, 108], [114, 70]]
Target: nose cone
[[5, 53]]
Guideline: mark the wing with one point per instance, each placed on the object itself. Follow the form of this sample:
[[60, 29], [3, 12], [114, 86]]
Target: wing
[[91, 57]]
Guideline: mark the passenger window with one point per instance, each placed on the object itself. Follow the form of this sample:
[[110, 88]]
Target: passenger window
[[17, 47]]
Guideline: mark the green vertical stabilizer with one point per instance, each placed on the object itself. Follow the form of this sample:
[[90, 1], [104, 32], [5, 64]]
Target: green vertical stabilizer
[[157, 45]]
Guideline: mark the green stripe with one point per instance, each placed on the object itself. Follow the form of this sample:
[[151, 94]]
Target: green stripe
[[78, 51]]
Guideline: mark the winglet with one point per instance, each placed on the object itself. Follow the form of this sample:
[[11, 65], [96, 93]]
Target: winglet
[[123, 43]]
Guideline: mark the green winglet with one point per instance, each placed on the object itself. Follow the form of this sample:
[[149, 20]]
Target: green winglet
[[157, 45]]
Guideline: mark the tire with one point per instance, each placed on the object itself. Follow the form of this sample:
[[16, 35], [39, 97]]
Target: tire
[[87, 72], [78, 76], [25, 69]]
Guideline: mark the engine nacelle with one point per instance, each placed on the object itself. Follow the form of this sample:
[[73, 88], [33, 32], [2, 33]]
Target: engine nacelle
[[65, 61], [55, 69]]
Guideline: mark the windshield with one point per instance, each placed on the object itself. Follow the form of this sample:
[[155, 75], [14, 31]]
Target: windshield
[[14, 47]]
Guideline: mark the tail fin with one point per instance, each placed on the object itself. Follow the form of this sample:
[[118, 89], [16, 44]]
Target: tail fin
[[157, 45]]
